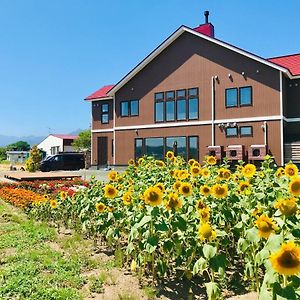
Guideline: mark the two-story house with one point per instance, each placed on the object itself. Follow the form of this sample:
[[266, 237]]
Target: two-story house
[[195, 91]]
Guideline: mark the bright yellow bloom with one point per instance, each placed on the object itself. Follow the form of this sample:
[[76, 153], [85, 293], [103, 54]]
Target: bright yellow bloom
[[46, 197], [140, 161], [53, 203], [265, 226], [160, 186], [127, 198], [112, 176], [256, 211], [160, 163], [211, 160], [261, 174], [183, 174], [170, 155], [174, 202], [191, 161], [196, 164], [110, 191], [280, 172], [131, 162], [100, 207], [200, 205], [286, 260], [224, 173], [291, 170], [205, 190], [239, 168], [177, 185], [287, 206], [63, 195], [204, 214], [205, 172], [153, 196], [220, 191], [206, 232], [294, 186], [249, 170], [244, 185], [196, 171], [186, 189]]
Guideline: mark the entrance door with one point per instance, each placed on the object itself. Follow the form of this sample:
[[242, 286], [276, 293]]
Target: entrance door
[[102, 150]]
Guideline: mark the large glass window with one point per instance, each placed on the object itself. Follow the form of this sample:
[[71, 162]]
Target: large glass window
[[138, 148], [124, 109], [231, 131], [154, 147], [134, 107], [181, 109], [231, 97], [104, 113], [246, 95], [170, 110], [177, 145], [193, 147], [159, 112], [129, 108], [246, 131], [193, 108]]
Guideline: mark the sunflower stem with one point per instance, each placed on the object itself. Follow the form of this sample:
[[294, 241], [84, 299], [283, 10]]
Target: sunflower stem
[[284, 281]]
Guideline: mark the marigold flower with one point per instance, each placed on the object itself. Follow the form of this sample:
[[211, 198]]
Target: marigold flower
[[286, 260], [206, 232], [186, 189], [220, 191], [110, 191], [112, 176], [249, 170], [287, 206], [100, 207], [205, 190], [265, 226], [291, 170], [294, 186], [153, 196], [211, 160]]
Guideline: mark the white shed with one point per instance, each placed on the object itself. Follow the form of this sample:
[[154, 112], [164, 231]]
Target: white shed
[[17, 156]]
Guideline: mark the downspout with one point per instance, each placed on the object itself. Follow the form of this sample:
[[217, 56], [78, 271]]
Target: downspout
[[281, 121], [265, 133], [213, 110], [114, 131]]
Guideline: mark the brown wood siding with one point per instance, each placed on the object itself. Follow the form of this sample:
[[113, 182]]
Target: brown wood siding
[[94, 158], [96, 114], [191, 62], [293, 98]]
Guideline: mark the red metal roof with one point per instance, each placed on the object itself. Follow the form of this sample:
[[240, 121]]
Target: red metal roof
[[101, 93], [65, 136], [291, 62], [207, 29]]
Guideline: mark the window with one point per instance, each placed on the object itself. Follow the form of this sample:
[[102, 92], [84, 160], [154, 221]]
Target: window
[[180, 94], [104, 113], [177, 145], [170, 110], [154, 147], [193, 147], [159, 110], [138, 148], [193, 103], [130, 108], [246, 95], [231, 131], [124, 109], [246, 131], [181, 109], [231, 97]]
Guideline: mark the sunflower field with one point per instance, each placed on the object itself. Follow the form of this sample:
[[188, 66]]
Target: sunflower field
[[178, 218]]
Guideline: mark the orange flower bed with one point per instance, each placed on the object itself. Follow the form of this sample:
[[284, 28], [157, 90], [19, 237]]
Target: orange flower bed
[[20, 197]]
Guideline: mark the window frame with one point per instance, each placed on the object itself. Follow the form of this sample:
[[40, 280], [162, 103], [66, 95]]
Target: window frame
[[143, 148], [188, 146], [129, 108], [231, 136], [104, 113], [251, 96], [246, 135], [237, 97]]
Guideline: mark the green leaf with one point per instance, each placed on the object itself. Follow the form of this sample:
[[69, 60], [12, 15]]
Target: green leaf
[[261, 256], [284, 293], [209, 251], [162, 267], [161, 226], [242, 245], [151, 244], [218, 263], [199, 266], [212, 291], [144, 220], [252, 235], [155, 211], [295, 281], [181, 223], [265, 294], [273, 242]]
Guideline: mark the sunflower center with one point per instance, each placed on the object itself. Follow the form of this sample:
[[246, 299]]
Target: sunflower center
[[288, 259], [185, 189], [295, 187], [265, 226], [220, 190], [291, 172], [111, 191], [153, 196]]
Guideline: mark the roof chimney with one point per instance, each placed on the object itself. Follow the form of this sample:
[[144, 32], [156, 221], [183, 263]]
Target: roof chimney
[[206, 28]]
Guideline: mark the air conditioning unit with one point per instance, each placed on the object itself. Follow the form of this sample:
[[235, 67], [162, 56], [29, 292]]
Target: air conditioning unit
[[235, 152], [257, 152], [216, 151]]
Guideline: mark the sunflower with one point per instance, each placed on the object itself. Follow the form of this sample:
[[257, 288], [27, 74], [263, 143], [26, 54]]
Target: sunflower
[[265, 226], [160, 163], [244, 185], [280, 172], [211, 160], [205, 190], [153, 196], [173, 202], [196, 171], [112, 176], [205, 172], [186, 189], [206, 232], [287, 207], [249, 170], [177, 185], [183, 174], [196, 164], [131, 162], [170, 155], [127, 198], [239, 168], [46, 197], [220, 191], [53, 203], [286, 260], [294, 186], [191, 161], [291, 170], [200, 205], [63, 195], [256, 211], [100, 207], [160, 186], [261, 174], [224, 173], [110, 191], [140, 161], [204, 214]]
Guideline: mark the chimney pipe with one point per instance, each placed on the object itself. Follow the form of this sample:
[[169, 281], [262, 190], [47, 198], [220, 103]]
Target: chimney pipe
[[206, 14]]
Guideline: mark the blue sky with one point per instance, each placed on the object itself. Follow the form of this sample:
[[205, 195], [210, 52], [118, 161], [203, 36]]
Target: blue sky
[[54, 53]]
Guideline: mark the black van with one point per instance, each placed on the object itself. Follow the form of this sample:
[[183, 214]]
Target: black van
[[63, 161]]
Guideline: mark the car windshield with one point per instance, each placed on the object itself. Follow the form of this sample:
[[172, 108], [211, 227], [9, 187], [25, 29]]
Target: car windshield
[[48, 157]]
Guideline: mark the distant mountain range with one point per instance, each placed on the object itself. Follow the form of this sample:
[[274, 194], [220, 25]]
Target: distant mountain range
[[31, 139]]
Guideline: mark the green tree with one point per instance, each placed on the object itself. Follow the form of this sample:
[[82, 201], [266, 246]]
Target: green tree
[[83, 142], [2, 153], [19, 146], [34, 160]]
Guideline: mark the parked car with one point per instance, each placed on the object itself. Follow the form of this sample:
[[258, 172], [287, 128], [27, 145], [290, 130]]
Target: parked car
[[63, 161]]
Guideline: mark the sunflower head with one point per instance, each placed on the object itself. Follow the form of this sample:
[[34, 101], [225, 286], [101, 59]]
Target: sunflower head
[[294, 186], [140, 161], [291, 170], [249, 170], [191, 161], [53, 203], [186, 189], [131, 162], [110, 191], [183, 174], [153, 196], [287, 207], [280, 172], [265, 226], [205, 172], [173, 202], [211, 160], [244, 185], [195, 171], [205, 190], [206, 232], [112, 176], [100, 207], [63, 195], [204, 214], [127, 198], [170, 155], [220, 191], [160, 186], [286, 260], [160, 163]]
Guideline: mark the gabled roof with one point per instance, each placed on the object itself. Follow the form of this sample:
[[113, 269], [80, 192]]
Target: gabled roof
[[65, 136], [173, 37], [101, 93], [291, 62]]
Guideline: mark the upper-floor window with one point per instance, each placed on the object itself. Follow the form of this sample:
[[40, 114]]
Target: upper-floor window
[[129, 108], [176, 105], [231, 131], [246, 131], [238, 96], [104, 113]]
